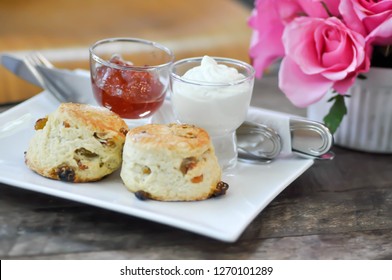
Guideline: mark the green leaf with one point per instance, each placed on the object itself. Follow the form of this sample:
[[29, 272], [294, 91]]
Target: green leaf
[[335, 116]]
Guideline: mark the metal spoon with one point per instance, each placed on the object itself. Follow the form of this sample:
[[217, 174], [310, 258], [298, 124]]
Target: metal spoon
[[311, 139], [258, 143]]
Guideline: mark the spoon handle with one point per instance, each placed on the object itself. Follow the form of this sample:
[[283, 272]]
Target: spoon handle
[[259, 143], [310, 138]]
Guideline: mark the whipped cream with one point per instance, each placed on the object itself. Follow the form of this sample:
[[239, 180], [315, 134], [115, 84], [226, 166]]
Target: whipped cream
[[213, 96], [212, 72]]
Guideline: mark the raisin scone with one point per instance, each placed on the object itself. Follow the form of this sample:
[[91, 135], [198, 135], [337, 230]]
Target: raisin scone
[[77, 143], [174, 162]]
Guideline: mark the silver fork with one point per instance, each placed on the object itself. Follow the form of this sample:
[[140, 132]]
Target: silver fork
[[35, 62]]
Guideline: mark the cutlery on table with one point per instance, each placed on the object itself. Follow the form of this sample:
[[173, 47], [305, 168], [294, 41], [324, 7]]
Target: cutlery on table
[[65, 85], [258, 143]]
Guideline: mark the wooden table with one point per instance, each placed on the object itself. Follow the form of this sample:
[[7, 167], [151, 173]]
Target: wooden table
[[338, 209]]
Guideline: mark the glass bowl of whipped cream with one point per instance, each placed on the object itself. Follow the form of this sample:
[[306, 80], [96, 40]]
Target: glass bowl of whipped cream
[[213, 93]]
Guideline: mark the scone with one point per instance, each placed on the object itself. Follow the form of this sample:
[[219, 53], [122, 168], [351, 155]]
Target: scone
[[77, 143], [174, 162]]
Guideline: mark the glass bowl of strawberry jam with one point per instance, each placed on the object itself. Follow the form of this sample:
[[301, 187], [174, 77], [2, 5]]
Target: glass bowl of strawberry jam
[[130, 77]]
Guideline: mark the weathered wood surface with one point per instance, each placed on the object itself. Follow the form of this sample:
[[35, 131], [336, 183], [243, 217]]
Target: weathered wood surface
[[340, 209]]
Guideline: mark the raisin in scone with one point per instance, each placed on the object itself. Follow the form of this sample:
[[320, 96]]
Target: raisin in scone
[[174, 162], [77, 143]]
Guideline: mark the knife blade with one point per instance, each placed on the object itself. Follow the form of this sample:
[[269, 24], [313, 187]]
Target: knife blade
[[19, 68], [77, 81]]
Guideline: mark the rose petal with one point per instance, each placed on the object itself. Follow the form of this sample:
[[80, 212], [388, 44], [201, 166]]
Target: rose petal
[[264, 52], [342, 86], [266, 42], [366, 16], [382, 35], [372, 7], [301, 89], [314, 8], [297, 42], [351, 16]]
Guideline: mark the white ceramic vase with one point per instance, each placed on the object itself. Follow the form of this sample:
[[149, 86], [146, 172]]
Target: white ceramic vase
[[368, 123]]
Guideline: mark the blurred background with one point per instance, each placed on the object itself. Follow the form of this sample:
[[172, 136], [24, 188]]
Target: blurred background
[[64, 29]]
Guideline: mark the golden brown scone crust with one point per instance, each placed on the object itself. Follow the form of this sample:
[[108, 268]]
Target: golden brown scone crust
[[174, 162], [181, 138], [77, 143], [93, 117]]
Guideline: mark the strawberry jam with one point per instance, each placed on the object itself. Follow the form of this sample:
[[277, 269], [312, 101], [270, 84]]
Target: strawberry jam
[[131, 94]]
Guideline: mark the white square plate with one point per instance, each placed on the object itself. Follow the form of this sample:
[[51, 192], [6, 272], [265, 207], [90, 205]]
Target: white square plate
[[252, 187]]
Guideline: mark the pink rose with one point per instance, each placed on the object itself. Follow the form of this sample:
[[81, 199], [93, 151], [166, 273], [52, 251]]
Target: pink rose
[[320, 54], [266, 42], [371, 18], [268, 19], [315, 8]]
